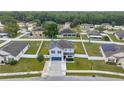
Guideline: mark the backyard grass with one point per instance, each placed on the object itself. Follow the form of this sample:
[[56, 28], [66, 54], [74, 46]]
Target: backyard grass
[[93, 49], [79, 48], [45, 47], [20, 76], [77, 28], [24, 65], [114, 38], [85, 64], [34, 45], [94, 74], [84, 37]]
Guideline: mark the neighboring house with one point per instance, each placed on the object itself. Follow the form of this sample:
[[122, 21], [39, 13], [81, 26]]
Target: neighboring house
[[66, 25], [61, 51], [117, 28], [37, 32], [112, 53], [21, 24], [94, 35], [13, 50], [3, 35], [31, 25], [67, 33], [119, 35], [107, 26], [87, 26]]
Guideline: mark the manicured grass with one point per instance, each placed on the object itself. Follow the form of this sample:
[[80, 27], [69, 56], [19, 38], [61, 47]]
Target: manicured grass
[[93, 49], [77, 28], [85, 64], [84, 37], [95, 74], [78, 48], [24, 65], [45, 47], [20, 76], [34, 45], [69, 37], [114, 38], [1, 41]]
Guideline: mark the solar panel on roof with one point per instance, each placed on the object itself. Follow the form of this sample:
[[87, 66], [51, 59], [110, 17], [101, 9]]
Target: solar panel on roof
[[109, 47]]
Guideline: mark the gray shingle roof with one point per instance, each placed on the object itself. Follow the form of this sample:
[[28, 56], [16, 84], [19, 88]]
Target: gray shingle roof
[[110, 49], [14, 48], [61, 44], [95, 33], [66, 31]]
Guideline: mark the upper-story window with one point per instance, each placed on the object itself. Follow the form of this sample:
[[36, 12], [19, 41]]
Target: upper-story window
[[59, 52], [52, 52]]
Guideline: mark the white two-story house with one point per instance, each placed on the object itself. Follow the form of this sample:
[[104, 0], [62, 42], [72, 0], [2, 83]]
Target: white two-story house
[[61, 51]]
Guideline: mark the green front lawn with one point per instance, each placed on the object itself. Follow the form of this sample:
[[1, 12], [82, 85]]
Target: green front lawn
[[79, 48], [24, 65], [93, 49], [113, 37], [85, 64], [20, 76], [45, 48], [95, 74], [34, 45]]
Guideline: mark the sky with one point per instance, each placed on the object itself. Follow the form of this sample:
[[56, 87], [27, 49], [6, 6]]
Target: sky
[[61, 5]]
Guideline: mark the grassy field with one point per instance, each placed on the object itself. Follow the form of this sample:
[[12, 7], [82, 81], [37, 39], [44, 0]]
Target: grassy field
[[24, 65], [114, 38], [45, 47], [85, 64], [77, 28], [1, 41], [20, 76], [34, 45], [78, 48], [94, 74], [93, 49]]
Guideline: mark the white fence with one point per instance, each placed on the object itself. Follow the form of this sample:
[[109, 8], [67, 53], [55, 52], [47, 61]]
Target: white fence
[[95, 58], [28, 56], [81, 55]]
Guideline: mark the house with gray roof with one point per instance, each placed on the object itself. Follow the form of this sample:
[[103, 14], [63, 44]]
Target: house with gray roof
[[13, 50], [94, 35], [87, 26], [113, 53], [61, 51], [119, 35], [67, 33]]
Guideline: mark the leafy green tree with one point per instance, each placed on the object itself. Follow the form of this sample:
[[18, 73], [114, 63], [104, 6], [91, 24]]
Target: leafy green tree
[[106, 38], [113, 23], [12, 62], [75, 22], [51, 29], [100, 28], [40, 57], [11, 29]]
